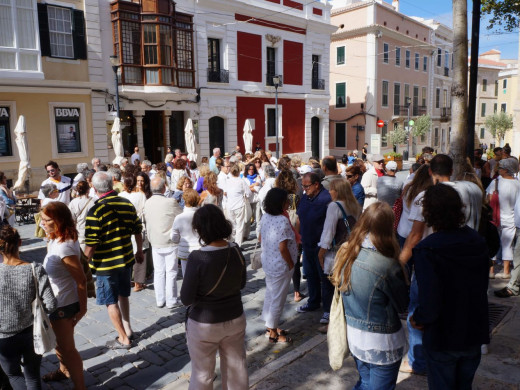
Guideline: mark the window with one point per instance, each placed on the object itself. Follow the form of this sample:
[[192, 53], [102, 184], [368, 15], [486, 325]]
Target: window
[[384, 94], [385, 52], [484, 85], [271, 61], [483, 110], [340, 55], [415, 101], [154, 47], [341, 135], [67, 129], [436, 137], [439, 57], [425, 64], [62, 32], [423, 97], [496, 87], [503, 107], [317, 83], [384, 133], [446, 59], [271, 122], [397, 98], [417, 60], [504, 84], [214, 54], [495, 108], [5, 131], [482, 132], [341, 95], [437, 98], [406, 92], [398, 56], [18, 48], [445, 96], [407, 60]]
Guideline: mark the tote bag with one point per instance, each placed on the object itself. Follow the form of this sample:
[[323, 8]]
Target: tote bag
[[337, 332], [43, 336]]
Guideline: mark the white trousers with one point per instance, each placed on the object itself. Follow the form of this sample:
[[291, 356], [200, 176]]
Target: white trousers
[[276, 289], [165, 275], [237, 218], [204, 340]]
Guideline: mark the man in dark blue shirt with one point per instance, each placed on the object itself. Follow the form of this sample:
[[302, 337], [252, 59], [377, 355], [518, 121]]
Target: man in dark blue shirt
[[312, 211]]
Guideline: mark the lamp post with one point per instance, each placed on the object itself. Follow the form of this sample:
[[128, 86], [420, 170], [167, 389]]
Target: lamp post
[[114, 60], [276, 83], [408, 102]]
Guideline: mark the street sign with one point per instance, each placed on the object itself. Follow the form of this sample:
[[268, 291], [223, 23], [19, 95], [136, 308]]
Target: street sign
[[380, 123], [375, 143]]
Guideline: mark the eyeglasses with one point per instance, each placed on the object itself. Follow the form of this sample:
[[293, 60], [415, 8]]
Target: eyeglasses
[[350, 175], [308, 185]]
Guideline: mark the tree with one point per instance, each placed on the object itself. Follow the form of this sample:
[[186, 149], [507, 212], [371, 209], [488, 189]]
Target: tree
[[397, 136], [459, 87], [504, 13], [498, 124], [422, 125]]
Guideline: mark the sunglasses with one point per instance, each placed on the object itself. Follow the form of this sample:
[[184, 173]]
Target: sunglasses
[[350, 175], [51, 170]]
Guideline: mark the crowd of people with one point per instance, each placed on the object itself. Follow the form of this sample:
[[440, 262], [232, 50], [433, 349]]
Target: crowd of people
[[391, 246]]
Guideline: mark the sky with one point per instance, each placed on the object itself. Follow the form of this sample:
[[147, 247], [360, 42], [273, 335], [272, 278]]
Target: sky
[[441, 10]]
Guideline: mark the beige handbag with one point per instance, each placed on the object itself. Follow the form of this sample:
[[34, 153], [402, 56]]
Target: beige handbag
[[337, 332]]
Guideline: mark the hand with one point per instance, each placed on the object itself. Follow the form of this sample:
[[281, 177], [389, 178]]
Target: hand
[[139, 256], [291, 265], [415, 325]]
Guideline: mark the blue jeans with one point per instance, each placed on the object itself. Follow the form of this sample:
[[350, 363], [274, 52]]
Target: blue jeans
[[452, 370], [416, 356], [376, 376], [318, 284], [12, 349]]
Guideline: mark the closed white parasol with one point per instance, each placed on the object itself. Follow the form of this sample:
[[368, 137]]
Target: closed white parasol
[[189, 136], [117, 141], [24, 171], [248, 136]]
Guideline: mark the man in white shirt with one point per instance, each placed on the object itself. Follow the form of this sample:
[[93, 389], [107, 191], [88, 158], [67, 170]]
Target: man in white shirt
[[63, 183], [135, 156], [369, 179], [213, 161]]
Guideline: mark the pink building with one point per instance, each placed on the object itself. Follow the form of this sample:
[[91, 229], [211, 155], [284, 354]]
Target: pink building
[[380, 68]]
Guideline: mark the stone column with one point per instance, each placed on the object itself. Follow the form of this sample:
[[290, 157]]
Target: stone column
[[138, 115]]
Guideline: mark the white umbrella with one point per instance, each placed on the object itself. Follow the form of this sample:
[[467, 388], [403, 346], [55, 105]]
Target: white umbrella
[[189, 136], [117, 142], [248, 136], [24, 171]]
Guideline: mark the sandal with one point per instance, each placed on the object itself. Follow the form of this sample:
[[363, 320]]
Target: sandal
[[277, 340], [55, 376], [281, 332], [504, 293], [116, 344]]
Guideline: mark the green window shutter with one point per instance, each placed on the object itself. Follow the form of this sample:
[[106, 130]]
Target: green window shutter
[[79, 36], [340, 55], [43, 22], [340, 95]]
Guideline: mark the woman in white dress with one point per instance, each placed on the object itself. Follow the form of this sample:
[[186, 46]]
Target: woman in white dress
[[279, 252], [236, 191], [508, 191], [138, 198]]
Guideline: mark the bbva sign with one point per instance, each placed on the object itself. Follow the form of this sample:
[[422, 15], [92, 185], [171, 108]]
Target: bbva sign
[[4, 112], [67, 112]]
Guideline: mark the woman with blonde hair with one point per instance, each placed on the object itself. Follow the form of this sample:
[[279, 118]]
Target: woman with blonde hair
[[212, 194], [183, 184], [203, 172], [374, 292]]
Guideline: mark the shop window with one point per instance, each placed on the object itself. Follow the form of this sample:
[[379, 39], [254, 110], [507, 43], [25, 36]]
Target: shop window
[[67, 125]]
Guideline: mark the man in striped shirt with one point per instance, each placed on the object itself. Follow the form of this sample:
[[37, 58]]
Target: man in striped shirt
[[109, 226]]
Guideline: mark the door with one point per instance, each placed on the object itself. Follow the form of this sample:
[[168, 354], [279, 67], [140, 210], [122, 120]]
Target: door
[[216, 134], [315, 136], [153, 135], [177, 131]]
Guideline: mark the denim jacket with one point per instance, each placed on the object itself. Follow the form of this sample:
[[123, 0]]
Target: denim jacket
[[378, 293]]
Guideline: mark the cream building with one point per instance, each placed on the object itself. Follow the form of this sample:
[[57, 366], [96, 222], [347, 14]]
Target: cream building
[[49, 67]]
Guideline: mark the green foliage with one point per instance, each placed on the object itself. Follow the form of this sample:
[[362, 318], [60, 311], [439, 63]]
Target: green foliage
[[504, 14], [498, 124], [422, 126], [398, 136], [393, 154]]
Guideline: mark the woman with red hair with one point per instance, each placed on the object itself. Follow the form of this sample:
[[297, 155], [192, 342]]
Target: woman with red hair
[[69, 285]]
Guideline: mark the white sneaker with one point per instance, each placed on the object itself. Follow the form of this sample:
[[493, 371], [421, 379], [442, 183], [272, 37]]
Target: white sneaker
[[502, 275]]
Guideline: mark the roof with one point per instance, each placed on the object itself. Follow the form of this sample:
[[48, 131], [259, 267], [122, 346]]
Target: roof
[[485, 61], [490, 52]]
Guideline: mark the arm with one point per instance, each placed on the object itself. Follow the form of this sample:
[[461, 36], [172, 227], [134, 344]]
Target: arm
[[286, 255], [411, 241], [328, 233], [75, 269], [139, 255], [366, 183], [176, 234], [190, 285], [46, 294]]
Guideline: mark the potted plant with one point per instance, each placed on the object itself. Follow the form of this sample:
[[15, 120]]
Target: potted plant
[[397, 157]]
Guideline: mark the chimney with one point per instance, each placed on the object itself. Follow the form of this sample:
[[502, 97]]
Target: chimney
[[395, 4]]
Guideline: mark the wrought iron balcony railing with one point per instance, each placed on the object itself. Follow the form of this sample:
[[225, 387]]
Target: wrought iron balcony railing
[[218, 76]]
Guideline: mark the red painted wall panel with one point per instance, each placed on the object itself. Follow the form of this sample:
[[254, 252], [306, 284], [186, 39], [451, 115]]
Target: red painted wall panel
[[293, 121], [293, 4], [292, 62], [274, 1], [317, 11], [249, 48]]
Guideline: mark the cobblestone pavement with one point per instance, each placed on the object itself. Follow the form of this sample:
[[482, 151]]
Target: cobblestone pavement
[[160, 356]]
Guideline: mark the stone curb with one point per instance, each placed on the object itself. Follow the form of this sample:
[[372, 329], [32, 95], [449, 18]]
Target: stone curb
[[285, 360]]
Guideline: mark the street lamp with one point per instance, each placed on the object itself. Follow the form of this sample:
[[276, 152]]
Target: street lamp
[[276, 83], [408, 102], [114, 60]]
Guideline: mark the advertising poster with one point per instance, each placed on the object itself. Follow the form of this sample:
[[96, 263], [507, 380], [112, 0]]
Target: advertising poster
[[67, 130]]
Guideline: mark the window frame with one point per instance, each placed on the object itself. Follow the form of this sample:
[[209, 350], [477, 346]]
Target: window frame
[[439, 57], [344, 97], [71, 15], [484, 85], [437, 97], [82, 129], [482, 132], [386, 53], [397, 105], [407, 60], [417, 60], [425, 63], [398, 56], [338, 63], [503, 107], [383, 83], [13, 118], [483, 110], [504, 84]]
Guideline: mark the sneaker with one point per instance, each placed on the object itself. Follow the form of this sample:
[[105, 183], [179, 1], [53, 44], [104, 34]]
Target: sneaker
[[325, 318], [502, 275], [305, 308]]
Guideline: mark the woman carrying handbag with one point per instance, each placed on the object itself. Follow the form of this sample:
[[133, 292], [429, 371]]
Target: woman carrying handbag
[[17, 293]]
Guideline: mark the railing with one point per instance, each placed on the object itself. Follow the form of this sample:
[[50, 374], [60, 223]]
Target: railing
[[269, 79], [318, 83], [218, 76]]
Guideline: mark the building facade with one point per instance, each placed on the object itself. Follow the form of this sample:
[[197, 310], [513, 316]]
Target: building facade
[[380, 70]]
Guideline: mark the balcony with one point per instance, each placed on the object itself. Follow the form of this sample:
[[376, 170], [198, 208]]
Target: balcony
[[269, 79], [447, 72], [318, 83], [218, 75], [445, 114]]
